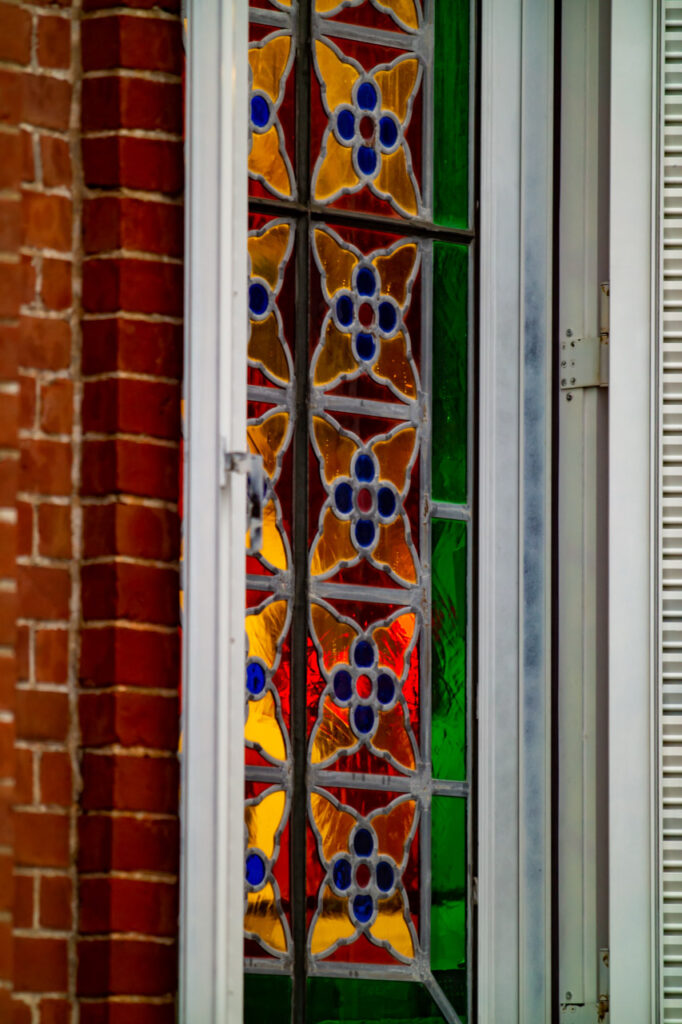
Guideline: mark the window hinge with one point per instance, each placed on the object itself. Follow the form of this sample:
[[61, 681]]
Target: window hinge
[[252, 466], [585, 361]]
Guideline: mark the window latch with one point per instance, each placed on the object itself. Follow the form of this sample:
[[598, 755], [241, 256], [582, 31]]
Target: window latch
[[251, 465]]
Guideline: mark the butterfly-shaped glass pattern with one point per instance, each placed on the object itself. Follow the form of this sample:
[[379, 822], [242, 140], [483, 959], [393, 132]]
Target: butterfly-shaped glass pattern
[[264, 920], [270, 62]]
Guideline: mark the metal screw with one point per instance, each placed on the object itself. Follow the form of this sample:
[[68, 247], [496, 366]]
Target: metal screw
[[572, 380], [563, 382], [572, 344], [563, 362], [569, 398], [569, 333], [569, 996]]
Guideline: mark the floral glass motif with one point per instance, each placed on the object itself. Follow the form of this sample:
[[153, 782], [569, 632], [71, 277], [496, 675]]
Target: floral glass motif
[[264, 730], [264, 920], [364, 144], [270, 62], [406, 14]]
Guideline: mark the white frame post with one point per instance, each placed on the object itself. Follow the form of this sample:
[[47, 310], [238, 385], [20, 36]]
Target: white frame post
[[211, 919]]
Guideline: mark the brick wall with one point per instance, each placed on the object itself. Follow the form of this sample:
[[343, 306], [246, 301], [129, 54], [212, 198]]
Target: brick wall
[[91, 215]]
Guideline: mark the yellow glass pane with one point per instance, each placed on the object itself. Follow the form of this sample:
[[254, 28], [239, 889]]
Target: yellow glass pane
[[333, 824], [393, 365], [273, 549], [264, 631], [331, 924], [393, 642], [263, 819], [336, 172], [267, 250], [262, 919], [267, 349], [395, 455], [390, 926], [336, 449], [405, 10], [393, 829], [332, 547], [393, 551], [262, 729], [394, 180], [337, 262], [338, 76], [334, 356], [397, 84], [333, 636], [267, 162], [268, 64], [392, 737], [395, 270], [267, 438], [332, 734]]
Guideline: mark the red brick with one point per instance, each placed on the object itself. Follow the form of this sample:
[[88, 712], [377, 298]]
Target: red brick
[[40, 965], [131, 103], [21, 1012], [55, 779], [45, 343], [128, 905], [55, 1011], [107, 1012], [7, 803], [129, 657], [22, 649], [56, 289], [45, 467], [134, 530], [134, 346], [28, 168], [127, 843], [9, 420], [47, 221], [56, 407], [8, 616], [9, 348], [129, 719], [128, 783], [9, 475], [28, 266], [140, 593], [56, 160], [11, 281], [47, 102], [125, 967], [27, 407], [152, 164], [41, 839], [11, 96], [51, 655], [122, 41], [24, 528], [54, 531], [138, 286], [138, 225], [23, 901], [10, 215], [8, 675], [44, 592], [15, 34], [6, 882], [24, 775], [8, 548], [10, 165], [6, 950], [41, 715], [55, 902], [54, 42], [130, 467], [7, 750], [132, 407]]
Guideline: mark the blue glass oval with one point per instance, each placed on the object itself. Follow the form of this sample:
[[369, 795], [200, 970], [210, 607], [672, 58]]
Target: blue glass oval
[[386, 501], [343, 684], [385, 875], [387, 317], [366, 281], [364, 654], [258, 298], [363, 842], [364, 344], [367, 160], [363, 717], [364, 468], [255, 678], [255, 869], [385, 689], [365, 532], [343, 496], [342, 873], [345, 122], [388, 132], [260, 111], [367, 96], [344, 310], [363, 907]]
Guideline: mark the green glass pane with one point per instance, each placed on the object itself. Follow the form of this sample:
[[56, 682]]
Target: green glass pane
[[448, 897], [448, 648], [267, 997], [451, 114], [358, 1001], [450, 372]]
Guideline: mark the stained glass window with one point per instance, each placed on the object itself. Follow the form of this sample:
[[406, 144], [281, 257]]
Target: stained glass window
[[358, 684]]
